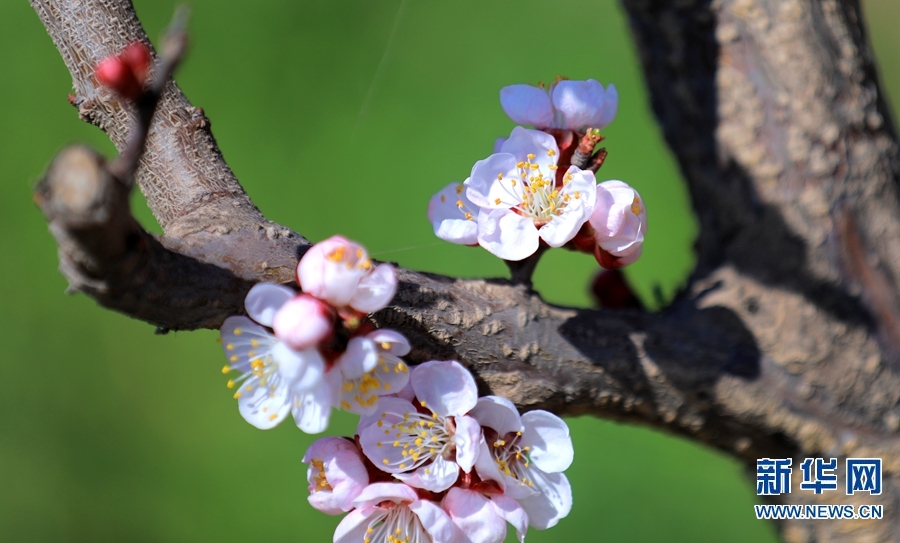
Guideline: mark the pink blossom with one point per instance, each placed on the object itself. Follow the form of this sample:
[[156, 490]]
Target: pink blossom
[[481, 517], [526, 456], [392, 512], [336, 474], [341, 273], [426, 450], [619, 221], [521, 203], [572, 105]]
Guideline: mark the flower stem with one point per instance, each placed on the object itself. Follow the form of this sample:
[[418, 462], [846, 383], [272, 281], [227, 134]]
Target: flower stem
[[520, 271]]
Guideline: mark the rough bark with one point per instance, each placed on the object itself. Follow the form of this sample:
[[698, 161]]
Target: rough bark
[[785, 343]]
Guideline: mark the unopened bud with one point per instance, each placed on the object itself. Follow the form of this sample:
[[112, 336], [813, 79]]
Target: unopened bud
[[125, 73]]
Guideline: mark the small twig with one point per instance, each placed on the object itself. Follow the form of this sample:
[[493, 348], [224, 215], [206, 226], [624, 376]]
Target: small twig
[[173, 48]]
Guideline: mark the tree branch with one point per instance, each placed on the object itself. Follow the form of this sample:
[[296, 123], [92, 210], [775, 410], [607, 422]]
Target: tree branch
[[774, 112]]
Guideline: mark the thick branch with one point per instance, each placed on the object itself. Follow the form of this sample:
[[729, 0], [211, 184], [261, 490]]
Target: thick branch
[[104, 252]]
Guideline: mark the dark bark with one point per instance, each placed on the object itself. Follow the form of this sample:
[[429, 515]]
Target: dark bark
[[786, 341]]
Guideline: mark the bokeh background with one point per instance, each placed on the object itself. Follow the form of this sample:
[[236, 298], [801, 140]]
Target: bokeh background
[[338, 117]]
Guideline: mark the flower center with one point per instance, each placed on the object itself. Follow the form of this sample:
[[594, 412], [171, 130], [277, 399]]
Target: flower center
[[321, 481], [420, 438], [541, 199], [396, 525], [510, 457]]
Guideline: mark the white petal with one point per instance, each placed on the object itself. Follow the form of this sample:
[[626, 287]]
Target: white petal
[[262, 407], [548, 437], [553, 502], [390, 410], [468, 440], [525, 104], [264, 299], [435, 521], [444, 387], [523, 142], [507, 234], [475, 516], [498, 413], [449, 219], [484, 174], [397, 344], [379, 492], [563, 227], [510, 510], [312, 408], [359, 358], [301, 370], [352, 528], [376, 289], [580, 102], [610, 107], [437, 476]]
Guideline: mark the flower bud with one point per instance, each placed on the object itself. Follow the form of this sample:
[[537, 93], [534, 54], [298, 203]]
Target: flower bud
[[619, 221], [125, 73], [303, 322]]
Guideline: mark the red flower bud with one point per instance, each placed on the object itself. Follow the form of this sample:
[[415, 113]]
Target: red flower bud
[[125, 73]]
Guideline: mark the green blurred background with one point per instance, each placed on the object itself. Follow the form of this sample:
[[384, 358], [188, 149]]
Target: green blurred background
[[110, 433]]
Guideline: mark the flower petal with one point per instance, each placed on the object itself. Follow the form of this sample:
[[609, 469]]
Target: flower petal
[[449, 219], [498, 413], [264, 299], [444, 387], [548, 437], [468, 440], [525, 104], [484, 175], [610, 108], [507, 235], [263, 407], [542, 145], [510, 510], [553, 502], [580, 102], [391, 341], [437, 476], [359, 358], [435, 521], [475, 516], [389, 410], [352, 528], [376, 289], [378, 492], [312, 408]]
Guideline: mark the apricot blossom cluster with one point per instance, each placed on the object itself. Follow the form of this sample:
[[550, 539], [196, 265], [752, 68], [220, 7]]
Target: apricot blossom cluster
[[435, 463], [539, 188], [320, 353]]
